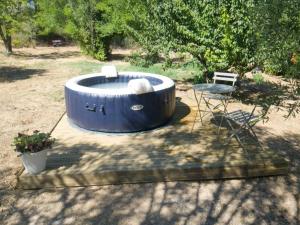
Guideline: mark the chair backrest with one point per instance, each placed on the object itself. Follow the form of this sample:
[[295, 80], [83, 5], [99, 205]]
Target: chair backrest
[[230, 77]]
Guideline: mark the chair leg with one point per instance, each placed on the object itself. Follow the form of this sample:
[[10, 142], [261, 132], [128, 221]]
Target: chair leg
[[250, 127], [236, 135], [254, 135], [194, 122], [235, 132]]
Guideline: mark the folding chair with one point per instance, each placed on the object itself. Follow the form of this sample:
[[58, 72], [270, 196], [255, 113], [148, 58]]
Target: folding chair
[[241, 123], [224, 77]]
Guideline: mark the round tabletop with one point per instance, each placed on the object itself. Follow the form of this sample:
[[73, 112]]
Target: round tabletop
[[214, 88]]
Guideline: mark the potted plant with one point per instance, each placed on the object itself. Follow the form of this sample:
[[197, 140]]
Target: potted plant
[[33, 150]]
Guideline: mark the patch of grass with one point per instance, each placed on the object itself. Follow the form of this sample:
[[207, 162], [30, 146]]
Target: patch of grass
[[180, 73], [258, 78], [40, 65], [84, 67]]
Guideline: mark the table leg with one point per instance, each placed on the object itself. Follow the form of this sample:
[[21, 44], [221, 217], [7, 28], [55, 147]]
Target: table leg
[[225, 104], [198, 105], [210, 110]]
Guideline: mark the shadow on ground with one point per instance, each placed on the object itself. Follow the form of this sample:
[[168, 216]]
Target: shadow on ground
[[269, 94], [52, 55], [245, 202], [13, 73], [118, 56]]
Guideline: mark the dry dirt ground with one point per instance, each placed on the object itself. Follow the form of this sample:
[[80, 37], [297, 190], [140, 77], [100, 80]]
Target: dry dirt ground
[[31, 97]]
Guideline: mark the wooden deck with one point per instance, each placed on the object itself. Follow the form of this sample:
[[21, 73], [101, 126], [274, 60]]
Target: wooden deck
[[177, 151]]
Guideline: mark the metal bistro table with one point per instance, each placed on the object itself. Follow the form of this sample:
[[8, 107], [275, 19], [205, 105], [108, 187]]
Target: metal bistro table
[[220, 92]]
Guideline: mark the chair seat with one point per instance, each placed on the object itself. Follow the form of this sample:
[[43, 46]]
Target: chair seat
[[245, 122], [240, 117]]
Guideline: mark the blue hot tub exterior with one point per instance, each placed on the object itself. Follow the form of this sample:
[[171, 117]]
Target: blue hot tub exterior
[[120, 112]]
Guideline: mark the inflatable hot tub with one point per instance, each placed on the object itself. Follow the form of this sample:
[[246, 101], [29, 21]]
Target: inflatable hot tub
[[129, 102]]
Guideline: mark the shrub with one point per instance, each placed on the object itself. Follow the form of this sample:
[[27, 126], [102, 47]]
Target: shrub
[[199, 78], [218, 34], [258, 78], [99, 50], [143, 60], [23, 38], [294, 69], [36, 142], [278, 36]]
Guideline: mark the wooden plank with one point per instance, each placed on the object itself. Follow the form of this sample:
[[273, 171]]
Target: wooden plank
[[226, 74], [224, 78], [142, 176]]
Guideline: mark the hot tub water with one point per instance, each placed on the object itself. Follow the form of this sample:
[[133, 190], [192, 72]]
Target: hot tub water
[[111, 85]]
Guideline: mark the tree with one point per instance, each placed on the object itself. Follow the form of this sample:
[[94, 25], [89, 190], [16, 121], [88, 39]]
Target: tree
[[218, 34], [90, 23], [84, 25], [50, 18], [277, 24], [93, 23], [11, 13]]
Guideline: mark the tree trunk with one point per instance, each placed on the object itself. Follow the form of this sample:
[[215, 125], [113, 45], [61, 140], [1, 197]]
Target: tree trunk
[[7, 41], [8, 45]]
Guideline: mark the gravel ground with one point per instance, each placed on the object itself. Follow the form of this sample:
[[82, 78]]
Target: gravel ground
[[31, 97]]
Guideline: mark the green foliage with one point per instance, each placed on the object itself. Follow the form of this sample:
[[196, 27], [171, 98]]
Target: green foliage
[[32, 143], [84, 26], [199, 73], [181, 73], [143, 60], [293, 70], [12, 13], [199, 77], [92, 24], [50, 17], [217, 34], [258, 78], [277, 24], [25, 35], [221, 34]]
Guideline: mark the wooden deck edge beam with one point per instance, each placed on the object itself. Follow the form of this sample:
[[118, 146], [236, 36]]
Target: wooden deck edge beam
[[146, 176]]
